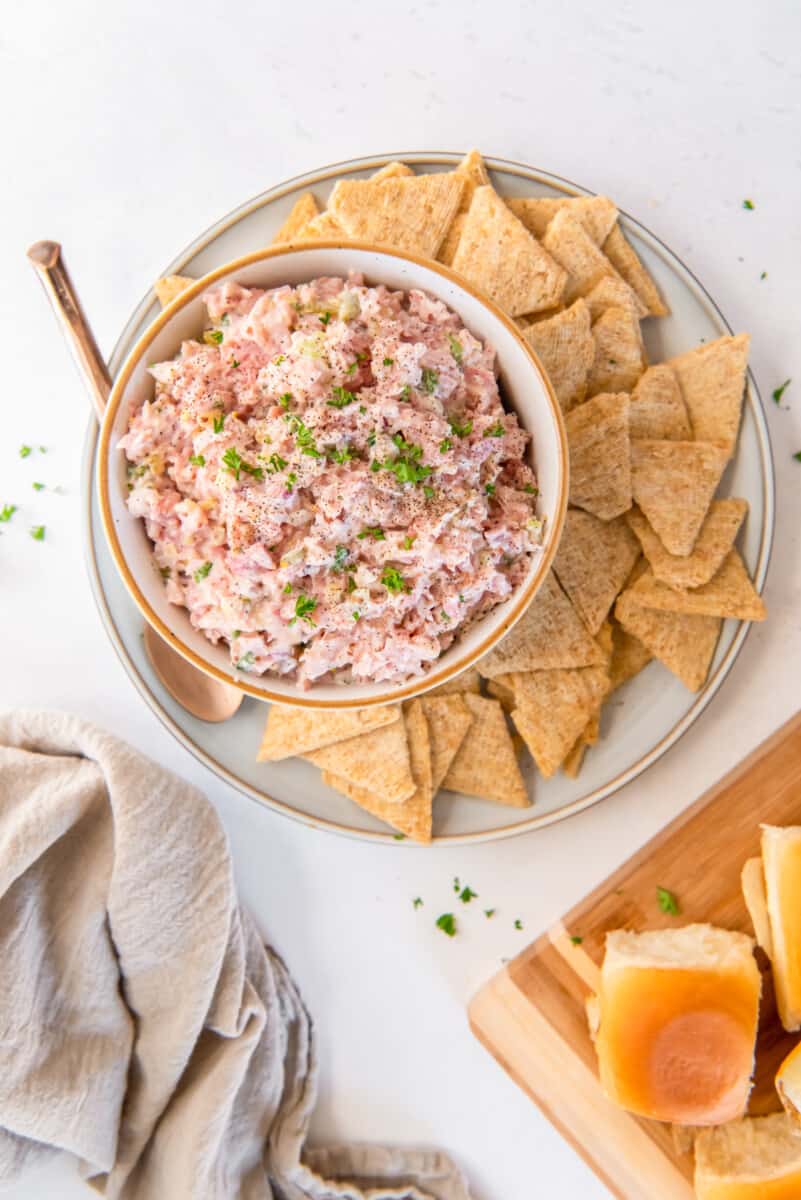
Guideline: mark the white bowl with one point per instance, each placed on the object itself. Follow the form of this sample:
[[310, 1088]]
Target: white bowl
[[524, 388]]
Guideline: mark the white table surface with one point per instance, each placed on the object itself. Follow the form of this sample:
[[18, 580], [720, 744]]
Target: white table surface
[[129, 127]]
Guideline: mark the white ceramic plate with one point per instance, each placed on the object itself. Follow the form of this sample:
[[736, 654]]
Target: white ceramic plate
[[645, 719]]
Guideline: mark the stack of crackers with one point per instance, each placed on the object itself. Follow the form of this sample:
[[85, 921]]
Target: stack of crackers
[[647, 567]]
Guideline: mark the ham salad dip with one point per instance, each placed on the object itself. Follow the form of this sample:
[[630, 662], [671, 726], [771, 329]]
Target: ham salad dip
[[330, 481]]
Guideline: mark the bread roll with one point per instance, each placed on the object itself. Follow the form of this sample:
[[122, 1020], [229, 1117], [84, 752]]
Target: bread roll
[[781, 860], [758, 1158], [678, 1021]]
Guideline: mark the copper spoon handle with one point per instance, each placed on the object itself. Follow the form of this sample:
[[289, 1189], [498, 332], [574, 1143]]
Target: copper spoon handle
[[49, 265]]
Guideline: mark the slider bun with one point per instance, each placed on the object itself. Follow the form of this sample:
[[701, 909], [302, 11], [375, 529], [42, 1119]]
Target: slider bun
[[678, 1023], [758, 1158], [781, 858], [788, 1084]]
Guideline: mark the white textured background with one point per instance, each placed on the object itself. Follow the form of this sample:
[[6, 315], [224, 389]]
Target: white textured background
[[127, 128]]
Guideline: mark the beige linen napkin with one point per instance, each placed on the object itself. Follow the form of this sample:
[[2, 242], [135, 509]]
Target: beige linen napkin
[[144, 1026]]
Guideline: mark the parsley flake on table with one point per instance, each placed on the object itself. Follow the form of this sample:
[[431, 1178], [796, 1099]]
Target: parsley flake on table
[[341, 398], [456, 348], [797, 456], [667, 901], [304, 607], [457, 887], [7, 512], [764, 275], [202, 572], [489, 912], [38, 533], [518, 924], [778, 392], [749, 205], [467, 894], [417, 902], [447, 923], [197, 460], [24, 451]]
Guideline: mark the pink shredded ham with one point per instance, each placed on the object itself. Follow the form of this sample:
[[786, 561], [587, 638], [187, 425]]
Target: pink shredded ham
[[330, 480]]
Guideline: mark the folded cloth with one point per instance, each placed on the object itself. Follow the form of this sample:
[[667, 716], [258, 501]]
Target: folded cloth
[[144, 1026]]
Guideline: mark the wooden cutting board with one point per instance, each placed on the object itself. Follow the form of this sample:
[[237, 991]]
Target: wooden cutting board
[[531, 1015]]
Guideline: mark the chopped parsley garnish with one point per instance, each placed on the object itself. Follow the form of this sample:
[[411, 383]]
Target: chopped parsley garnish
[[213, 337], [352, 369], [518, 924], [43, 449], [461, 430], [532, 491], [496, 430], [456, 348], [399, 837], [389, 362], [304, 607], [197, 460], [748, 204], [287, 589], [407, 470], [467, 894], [797, 456], [489, 488], [576, 940], [667, 901], [351, 585], [290, 479], [325, 318], [341, 555], [305, 438], [375, 465], [408, 542], [371, 438], [235, 465], [764, 275], [362, 409], [246, 661], [489, 912], [373, 531], [275, 463], [165, 572], [447, 923], [406, 392], [445, 445], [235, 633], [24, 451], [429, 380], [38, 533], [341, 398], [202, 572], [417, 902], [285, 400], [218, 422], [341, 456], [38, 487], [281, 358], [235, 363], [393, 581], [7, 512], [356, 614], [778, 392], [428, 492]]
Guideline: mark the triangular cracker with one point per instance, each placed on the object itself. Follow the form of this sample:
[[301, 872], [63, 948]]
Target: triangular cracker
[[553, 707], [624, 259], [614, 292], [549, 634], [619, 358], [593, 563], [449, 719], [474, 174], [321, 228], [658, 411], [378, 761], [290, 730], [629, 656], [566, 348], [486, 764], [468, 681], [712, 382], [684, 644], [501, 688], [409, 212], [498, 254], [589, 735], [304, 209], [568, 242], [598, 441], [673, 483], [596, 213], [411, 817], [729, 593], [170, 286], [393, 170], [715, 540]]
